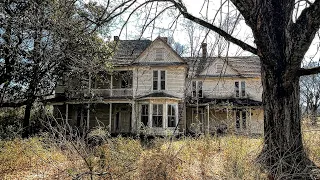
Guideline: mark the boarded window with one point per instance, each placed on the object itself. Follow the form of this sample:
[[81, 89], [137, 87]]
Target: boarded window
[[219, 68], [159, 54], [157, 115]]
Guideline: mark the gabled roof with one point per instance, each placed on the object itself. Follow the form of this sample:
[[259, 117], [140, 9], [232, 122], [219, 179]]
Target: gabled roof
[[165, 43], [245, 66], [126, 51]]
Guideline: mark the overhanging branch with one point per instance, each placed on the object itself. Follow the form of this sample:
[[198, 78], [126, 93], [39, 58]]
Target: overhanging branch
[[221, 32], [308, 71], [305, 28], [183, 10]]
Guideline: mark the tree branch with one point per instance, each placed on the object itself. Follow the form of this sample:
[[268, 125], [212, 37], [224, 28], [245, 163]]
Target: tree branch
[[227, 36], [305, 28], [308, 71]]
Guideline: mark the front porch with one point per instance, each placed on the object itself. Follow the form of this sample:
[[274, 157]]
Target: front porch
[[116, 117], [214, 118]]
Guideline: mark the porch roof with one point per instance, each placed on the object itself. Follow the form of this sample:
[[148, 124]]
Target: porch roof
[[157, 95], [228, 101]]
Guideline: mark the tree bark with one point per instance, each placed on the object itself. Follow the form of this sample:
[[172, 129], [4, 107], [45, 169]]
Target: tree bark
[[26, 121], [283, 153]]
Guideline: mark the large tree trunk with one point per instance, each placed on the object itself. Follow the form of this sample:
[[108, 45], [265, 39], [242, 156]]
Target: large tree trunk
[[26, 121], [283, 153]]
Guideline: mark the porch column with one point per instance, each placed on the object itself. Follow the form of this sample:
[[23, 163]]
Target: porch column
[[111, 85], [66, 123], [249, 119], [227, 114], [165, 115], [110, 116], [208, 118], [88, 117], [67, 112], [150, 115], [133, 117]]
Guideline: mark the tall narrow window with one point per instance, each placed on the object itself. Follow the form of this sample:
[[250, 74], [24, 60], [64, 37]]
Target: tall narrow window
[[200, 94], [163, 80], [171, 115], [157, 115], [159, 80], [197, 89], [194, 88], [155, 80], [244, 119], [159, 54], [145, 114], [243, 88], [238, 119], [236, 86]]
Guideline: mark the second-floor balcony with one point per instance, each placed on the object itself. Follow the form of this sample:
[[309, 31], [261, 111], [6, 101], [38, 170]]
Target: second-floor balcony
[[117, 84]]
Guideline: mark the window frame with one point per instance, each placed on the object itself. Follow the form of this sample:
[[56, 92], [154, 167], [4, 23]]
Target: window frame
[[159, 54], [173, 114], [159, 80], [158, 117], [240, 90], [142, 114], [219, 70], [198, 91]]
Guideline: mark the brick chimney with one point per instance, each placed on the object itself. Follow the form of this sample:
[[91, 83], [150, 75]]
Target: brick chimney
[[204, 49], [165, 39], [116, 38]]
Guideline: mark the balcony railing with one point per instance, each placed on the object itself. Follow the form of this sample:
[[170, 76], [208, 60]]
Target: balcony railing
[[105, 93]]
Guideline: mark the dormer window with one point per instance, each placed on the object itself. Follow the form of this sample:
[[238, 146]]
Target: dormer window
[[159, 54], [219, 68]]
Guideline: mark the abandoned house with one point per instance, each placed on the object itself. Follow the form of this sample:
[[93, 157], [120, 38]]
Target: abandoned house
[[152, 90]]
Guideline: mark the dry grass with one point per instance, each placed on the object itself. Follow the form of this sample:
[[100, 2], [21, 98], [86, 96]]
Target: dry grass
[[229, 157]]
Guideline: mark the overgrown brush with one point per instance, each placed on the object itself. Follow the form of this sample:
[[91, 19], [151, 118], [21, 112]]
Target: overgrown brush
[[204, 157], [21, 155]]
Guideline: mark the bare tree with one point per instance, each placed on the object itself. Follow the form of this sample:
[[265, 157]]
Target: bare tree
[[310, 94], [282, 35]]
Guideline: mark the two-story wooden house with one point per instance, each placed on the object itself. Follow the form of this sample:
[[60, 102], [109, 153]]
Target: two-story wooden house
[[153, 90]]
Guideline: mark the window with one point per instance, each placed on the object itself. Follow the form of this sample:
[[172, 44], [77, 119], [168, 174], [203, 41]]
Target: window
[[197, 89], [145, 114], [219, 68], [159, 54], [244, 119], [241, 119], [243, 88], [171, 115], [159, 80], [126, 79], [157, 115], [238, 88]]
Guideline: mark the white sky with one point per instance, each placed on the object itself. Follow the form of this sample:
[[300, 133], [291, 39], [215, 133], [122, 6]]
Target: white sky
[[180, 33]]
